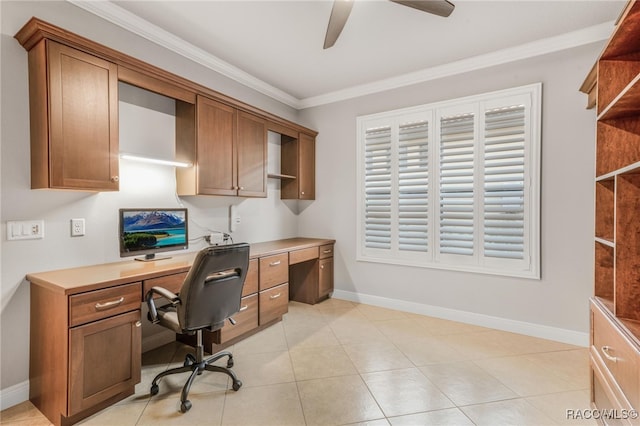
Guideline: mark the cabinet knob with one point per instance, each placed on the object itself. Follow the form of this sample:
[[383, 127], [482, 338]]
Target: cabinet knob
[[302, 193], [115, 178], [241, 188], [321, 266]]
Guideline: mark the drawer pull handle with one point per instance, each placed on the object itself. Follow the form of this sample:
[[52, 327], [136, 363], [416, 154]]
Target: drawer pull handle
[[276, 263], [244, 308], [108, 305], [327, 251], [275, 296], [605, 352]]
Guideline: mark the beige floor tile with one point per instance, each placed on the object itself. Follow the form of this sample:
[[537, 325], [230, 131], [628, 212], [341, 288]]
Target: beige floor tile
[[371, 357], [513, 412], [351, 333], [276, 405], [271, 339], [408, 391], [521, 344], [479, 345], [117, 415], [398, 330], [377, 422], [430, 350], [465, 383], [571, 365], [561, 406], [439, 326], [314, 363], [447, 417], [206, 409], [337, 401], [23, 414], [264, 368], [310, 336], [376, 313], [527, 377]]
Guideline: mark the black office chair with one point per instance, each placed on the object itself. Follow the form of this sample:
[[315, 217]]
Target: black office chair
[[210, 294]]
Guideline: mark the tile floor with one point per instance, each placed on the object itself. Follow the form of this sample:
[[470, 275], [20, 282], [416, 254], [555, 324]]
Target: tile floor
[[343, 363]]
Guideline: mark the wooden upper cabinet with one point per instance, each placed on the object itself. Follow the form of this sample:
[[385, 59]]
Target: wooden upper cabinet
[[228, 146], [252, 155], [298, 158], [74, 119], [215, 150]]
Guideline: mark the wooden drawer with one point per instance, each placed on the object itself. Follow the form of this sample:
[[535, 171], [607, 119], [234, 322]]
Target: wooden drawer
[[171, 282], [326, 251], [274, 303], [298, 256], [99, 304], [617, 355], [604, 397], [246, 319], [251, 281], [274, 270]]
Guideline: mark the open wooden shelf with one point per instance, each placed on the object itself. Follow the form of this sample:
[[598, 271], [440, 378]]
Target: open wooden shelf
[[604, 284], [618, 145], [605, 202]]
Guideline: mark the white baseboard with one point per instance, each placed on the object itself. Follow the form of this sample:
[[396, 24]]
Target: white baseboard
[[14, 395], [530, 329]]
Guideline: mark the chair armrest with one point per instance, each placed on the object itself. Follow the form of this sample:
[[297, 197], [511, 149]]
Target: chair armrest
[[163, 292]]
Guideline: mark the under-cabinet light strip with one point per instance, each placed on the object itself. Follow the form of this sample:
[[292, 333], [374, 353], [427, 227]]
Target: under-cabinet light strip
[[154, 160]]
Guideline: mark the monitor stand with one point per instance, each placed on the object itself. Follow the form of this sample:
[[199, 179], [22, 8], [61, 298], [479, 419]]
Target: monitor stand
[[151, 257]]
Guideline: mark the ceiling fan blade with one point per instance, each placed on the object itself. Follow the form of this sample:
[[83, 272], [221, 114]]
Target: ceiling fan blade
[[339, 14], [436, 7]]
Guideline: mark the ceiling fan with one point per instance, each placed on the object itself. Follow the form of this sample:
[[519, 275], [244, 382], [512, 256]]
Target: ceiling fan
[[342, 8]]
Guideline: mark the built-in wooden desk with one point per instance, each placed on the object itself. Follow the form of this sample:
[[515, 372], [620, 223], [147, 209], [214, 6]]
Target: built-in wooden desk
[[85, 322]]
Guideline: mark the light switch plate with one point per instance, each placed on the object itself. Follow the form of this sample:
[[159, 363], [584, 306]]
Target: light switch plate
[[25, 229]]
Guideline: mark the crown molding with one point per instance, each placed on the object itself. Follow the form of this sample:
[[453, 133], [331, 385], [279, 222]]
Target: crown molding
[[134, 24], [541, 47]]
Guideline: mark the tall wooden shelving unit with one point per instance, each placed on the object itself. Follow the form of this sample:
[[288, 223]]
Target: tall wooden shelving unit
[[615, 306]]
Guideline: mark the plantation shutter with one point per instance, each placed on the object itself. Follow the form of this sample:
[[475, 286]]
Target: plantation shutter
[[456, 184], [504, 182], [377, 187], [413, 186]]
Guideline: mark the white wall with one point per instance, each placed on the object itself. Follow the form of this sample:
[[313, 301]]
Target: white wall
[[140, 185], [555, 306]]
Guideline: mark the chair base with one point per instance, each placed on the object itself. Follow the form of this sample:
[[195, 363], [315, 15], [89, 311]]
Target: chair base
[[196, 365]]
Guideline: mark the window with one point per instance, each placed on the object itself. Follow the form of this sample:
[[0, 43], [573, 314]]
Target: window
[[453, 185]]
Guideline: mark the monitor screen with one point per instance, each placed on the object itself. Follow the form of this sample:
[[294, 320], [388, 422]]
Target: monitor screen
[[150, 231]]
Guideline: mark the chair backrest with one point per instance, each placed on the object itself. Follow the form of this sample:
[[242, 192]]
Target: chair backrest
[[212, 290]]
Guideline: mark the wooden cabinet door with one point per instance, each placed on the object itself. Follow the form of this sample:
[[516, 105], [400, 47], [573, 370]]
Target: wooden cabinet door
[[216, 156], [306, 167], [105, 358], [252, 155], [325, 280], [83, 114]]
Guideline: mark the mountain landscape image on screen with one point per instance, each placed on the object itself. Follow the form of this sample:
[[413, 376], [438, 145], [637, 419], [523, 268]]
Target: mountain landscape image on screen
[[153, 229]]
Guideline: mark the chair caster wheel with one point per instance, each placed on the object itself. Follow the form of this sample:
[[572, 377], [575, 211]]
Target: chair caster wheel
[[237, 385], [154, 390], [185, 406]]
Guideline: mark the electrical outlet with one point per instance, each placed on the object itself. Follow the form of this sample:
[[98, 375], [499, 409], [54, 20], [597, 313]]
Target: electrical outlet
[[77, 227]]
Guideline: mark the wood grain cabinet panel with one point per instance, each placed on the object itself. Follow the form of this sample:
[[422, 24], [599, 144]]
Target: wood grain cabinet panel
[[325, 280], [99, 304], [104, 360], [73, 100], [274, 303], [274, 270], [228, 148], [298, 156], [246, 319]]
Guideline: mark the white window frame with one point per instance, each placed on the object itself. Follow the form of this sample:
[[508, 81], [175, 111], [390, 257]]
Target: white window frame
[[529, 265]]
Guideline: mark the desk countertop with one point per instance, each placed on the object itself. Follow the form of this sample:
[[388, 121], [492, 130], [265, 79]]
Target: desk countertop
[[86, 278]]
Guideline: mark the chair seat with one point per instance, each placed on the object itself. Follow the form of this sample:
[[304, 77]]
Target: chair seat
[[168, 317]]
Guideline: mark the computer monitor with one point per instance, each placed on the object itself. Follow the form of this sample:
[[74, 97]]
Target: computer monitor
[[151, 231]]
